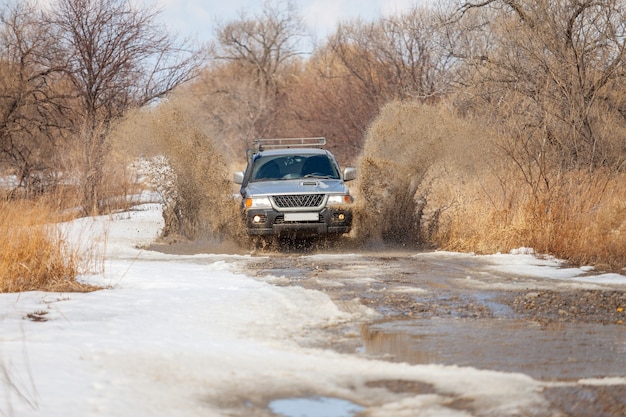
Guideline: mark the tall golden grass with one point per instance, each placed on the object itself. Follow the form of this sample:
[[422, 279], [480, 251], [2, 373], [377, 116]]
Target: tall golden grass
[[431, 177], [582, 220], [33, 254]]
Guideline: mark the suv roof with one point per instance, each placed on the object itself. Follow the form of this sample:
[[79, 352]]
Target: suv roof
[[270, 145]]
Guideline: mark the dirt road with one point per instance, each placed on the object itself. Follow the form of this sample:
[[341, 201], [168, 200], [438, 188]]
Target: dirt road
[[458, 310], [454, 309]]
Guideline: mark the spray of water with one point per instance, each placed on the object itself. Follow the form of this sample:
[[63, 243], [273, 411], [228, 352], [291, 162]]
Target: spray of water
[[410, 154]]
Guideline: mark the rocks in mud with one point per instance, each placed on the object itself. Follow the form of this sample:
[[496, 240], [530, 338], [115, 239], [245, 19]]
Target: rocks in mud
[[387, 293], [442, 305], [597, 401], [589, 306], [544, 306]]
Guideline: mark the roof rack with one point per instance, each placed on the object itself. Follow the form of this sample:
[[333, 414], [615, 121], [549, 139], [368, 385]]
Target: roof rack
[[259, 145], [262, 144]]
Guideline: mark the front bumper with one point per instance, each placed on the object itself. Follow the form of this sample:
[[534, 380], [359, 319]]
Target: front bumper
[[329, 220]]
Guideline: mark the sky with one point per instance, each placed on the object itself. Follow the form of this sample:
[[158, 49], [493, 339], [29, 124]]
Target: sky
[[197, 17], [191, 335]]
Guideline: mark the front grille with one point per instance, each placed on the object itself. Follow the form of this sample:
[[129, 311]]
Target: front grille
[[299, 200]]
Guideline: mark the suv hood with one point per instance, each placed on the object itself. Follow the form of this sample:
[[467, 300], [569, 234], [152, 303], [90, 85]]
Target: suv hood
[[299, 186]]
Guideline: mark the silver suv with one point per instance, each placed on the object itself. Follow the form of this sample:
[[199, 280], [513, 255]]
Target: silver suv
[[294, 187]]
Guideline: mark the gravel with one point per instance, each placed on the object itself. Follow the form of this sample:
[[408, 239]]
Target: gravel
[[586, 306]]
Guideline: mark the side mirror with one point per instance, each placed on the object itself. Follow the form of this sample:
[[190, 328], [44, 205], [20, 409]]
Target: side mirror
[[349, 174], [238, 177]]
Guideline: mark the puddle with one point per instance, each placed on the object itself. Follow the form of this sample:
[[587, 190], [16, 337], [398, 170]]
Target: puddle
[[498, 309], [314, 407], [561, 351], [291, 273]]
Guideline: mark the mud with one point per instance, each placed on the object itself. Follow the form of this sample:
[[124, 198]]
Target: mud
[[454, 310], [457, 311], [402, 284]]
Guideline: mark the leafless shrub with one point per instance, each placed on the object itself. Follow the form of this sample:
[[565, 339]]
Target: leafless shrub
[[161, 178], [549, 73]]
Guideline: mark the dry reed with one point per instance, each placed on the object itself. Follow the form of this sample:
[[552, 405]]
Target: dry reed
[[34, 255], [582, 220], [430, 177]]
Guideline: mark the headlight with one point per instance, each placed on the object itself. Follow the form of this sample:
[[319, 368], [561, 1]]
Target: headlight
[[339, 199], [258, 202]]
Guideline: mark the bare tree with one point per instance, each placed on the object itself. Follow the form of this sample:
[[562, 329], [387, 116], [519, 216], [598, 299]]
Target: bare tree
[[551, 74], [264, 43], [397, 57], [116, 57], [32, 101], [253, 61]]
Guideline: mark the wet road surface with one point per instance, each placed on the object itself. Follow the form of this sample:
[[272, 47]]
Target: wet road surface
[[438, 308], [456, 310]]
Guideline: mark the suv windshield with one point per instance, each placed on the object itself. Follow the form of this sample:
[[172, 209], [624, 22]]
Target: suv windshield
[[278, 167]]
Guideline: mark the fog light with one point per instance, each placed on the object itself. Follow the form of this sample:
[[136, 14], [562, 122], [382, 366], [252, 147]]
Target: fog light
[[341, 217], [256, 219]]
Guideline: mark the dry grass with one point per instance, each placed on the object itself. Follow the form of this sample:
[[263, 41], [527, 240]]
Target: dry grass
[[582, 220], [35, 256], [430, 177]]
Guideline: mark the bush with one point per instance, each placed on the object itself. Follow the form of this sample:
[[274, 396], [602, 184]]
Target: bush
[[186, 167], [34, 255], [581, 219], [430, 177]]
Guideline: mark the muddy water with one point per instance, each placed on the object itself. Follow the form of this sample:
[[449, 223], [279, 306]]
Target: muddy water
[[439, 309], [453, 311], [556, 351], [314, 407]]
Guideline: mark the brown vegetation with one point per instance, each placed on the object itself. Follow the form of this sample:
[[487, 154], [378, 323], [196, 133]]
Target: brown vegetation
[[584, 221], [186, 166], [415, 155], [203, 205], [431, 177], [35, 255]]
